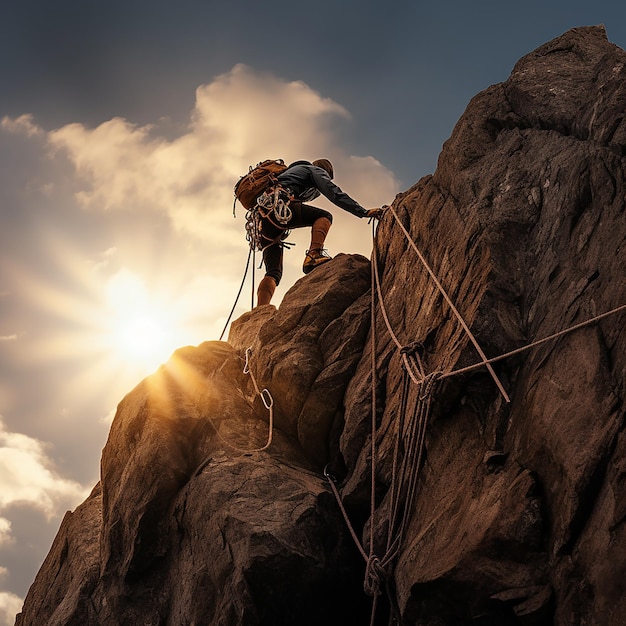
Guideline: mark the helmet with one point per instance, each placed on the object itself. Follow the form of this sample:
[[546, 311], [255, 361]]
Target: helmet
[[325, 164]]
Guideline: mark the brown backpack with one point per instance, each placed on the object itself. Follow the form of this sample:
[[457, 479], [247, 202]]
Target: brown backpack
[[257, 180]]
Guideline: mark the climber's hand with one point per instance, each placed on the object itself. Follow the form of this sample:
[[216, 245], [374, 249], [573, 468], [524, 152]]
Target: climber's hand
[[377, 213]]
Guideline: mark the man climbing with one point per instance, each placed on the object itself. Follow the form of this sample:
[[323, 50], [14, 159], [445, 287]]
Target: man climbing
[[302, 182]]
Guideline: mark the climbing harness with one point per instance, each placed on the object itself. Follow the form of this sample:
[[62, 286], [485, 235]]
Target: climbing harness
[[410, 435]]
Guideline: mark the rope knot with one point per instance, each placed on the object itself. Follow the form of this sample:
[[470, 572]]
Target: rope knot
[[417, 347], [428, 384], [374, 576]]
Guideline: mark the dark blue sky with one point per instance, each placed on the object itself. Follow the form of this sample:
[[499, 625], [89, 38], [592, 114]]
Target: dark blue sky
[[404, 69]]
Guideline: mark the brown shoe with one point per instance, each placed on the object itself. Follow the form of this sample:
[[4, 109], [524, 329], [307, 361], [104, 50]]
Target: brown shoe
[[314, 258]]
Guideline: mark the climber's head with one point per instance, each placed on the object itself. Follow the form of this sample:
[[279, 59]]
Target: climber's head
[[326, 165]]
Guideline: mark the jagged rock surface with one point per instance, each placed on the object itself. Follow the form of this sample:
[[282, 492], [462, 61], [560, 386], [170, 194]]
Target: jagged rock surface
[[519, 509]]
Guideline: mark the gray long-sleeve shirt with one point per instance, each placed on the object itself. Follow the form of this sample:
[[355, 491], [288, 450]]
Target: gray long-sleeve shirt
[[306, 182]]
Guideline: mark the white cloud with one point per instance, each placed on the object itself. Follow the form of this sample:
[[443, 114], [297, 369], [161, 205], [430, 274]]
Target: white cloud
[[239, 119], [26, 476], [23, 125], [10, 606], [12, 337]]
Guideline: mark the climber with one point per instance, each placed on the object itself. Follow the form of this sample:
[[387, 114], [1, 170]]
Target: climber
[[303, 181]]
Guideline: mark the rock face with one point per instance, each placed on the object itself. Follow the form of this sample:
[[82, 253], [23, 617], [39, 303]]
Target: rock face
[[499, 491]]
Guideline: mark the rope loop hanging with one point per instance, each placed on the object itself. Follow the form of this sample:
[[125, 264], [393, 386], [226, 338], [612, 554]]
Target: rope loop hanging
[[268, 403]]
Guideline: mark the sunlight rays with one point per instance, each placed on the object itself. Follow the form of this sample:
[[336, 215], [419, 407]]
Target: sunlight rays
[[106, 316]]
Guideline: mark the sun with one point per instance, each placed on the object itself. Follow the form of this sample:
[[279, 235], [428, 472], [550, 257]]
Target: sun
[[142, 330], [142, 338]]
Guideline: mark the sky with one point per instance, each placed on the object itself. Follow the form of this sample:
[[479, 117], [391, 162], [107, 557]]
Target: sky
[[123, 129]]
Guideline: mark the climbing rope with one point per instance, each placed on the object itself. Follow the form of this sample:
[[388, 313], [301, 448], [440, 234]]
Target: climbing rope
[[409, 446], [266, 398], [408, 454], [538, 342], [268, 403], [243, 280], [451, 304]]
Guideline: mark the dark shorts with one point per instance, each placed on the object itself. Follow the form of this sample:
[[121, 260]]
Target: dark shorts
[[301, 215]]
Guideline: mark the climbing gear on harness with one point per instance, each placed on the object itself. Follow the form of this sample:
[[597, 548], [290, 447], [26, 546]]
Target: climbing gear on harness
[[275, 201], [271, 206], [262, 196], [259, 178], [315, 258], [254, 231]]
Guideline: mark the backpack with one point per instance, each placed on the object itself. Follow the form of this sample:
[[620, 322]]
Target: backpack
[[258, 179]]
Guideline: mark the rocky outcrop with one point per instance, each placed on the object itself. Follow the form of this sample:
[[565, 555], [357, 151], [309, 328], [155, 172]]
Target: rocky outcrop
[[499, 491]]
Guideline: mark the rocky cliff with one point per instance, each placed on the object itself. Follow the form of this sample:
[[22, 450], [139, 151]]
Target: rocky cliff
[[434, 436]]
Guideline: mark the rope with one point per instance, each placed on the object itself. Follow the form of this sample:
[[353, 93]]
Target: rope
[[374, 574], [243, 280], [537, 342], [331, 480], [451, 304], [266, 398], [253, 280], [486, 361], [409, 447], [408, 454], [268, 403], [383, 309]]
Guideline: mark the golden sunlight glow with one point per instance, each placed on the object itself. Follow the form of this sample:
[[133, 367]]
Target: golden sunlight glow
[[142, 331], [141, 337], [119, 325]]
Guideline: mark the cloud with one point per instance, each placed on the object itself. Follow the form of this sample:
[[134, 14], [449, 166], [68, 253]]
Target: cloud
[[150, 188], [239, 119], [26, 476], [10, 605], [22, 125], [12, 337]]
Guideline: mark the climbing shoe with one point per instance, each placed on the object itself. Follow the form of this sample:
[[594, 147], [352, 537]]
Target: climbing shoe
[[314, 258]]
